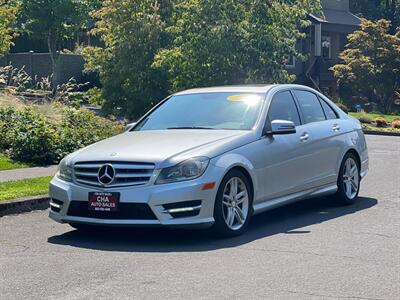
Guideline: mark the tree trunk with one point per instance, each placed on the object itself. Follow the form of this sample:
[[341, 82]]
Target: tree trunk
[[54, 56]]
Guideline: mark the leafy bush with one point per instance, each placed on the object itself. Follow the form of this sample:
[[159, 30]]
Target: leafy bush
[[28, 136], [380, 122], [94, 96], [8, 118], [396, 124], [34, 139], [80, 128]]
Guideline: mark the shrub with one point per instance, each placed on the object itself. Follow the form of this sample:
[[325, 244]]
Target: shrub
[[34, 139], [380, 122], [80, 128], [28, 136], [8, 117], [396, 124], [94, 96], [365, 118]]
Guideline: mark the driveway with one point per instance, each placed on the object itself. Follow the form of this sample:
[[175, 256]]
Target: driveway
[[308, 250]]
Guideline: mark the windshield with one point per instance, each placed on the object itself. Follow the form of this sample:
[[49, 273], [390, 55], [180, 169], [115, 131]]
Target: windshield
[[234, 111]]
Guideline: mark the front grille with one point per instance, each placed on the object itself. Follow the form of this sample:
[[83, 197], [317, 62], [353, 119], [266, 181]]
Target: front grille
[[126, 173], [126, 211]]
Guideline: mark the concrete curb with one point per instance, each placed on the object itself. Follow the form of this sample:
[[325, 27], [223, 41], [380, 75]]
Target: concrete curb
[[24, 205], [374, 132]]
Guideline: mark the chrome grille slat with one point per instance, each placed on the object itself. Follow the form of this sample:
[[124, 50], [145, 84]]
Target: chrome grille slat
[[126, 174], [87, 166], [86, 174], [87, 182]]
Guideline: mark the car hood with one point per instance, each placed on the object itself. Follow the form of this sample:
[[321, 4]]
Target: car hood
[[162, 147]]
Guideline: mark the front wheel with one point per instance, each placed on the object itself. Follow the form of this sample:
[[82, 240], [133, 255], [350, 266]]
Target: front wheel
[[233, 204], [348, 180]]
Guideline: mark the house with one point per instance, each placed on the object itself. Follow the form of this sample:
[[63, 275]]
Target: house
[[326, 38]]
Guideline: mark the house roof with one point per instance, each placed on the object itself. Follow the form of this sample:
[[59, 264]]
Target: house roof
[[337, 17]]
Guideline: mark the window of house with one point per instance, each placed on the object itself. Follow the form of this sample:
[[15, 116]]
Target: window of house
[[290, 62], [326, 47], [329, 112], [310, 106], [284, 108]]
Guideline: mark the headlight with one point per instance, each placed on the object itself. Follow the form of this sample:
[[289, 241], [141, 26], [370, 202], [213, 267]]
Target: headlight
[[187, 170], [64, 171]]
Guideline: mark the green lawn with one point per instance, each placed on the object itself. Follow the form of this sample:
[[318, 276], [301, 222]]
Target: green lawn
[[8, 164], [388, 118], [362, 115], [23, 188]]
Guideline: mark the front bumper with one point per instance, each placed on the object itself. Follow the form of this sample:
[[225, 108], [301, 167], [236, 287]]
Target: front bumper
[[155, 196]]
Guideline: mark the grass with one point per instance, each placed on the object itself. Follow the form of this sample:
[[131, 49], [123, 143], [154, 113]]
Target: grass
[[52, 110], [382, 129], [23, 188], [370, 117], [9, 164], [388, 118]]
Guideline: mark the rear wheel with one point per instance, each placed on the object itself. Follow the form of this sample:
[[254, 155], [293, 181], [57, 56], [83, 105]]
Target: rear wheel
[[348, 180], [233, 204]]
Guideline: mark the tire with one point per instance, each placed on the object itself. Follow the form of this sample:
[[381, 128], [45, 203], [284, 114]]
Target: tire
[[348, 181], [238, 207]]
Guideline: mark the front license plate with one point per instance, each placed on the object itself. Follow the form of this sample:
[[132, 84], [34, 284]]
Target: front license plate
[[101, 201]]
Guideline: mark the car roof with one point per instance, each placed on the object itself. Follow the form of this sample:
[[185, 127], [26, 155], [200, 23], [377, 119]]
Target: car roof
[[258, 88], [254, 88]]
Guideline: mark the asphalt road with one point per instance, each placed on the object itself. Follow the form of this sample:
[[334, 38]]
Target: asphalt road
[[308, 250]]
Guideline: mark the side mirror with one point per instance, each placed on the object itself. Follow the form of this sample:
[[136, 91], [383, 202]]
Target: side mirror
[[130, 126], [282, 127]]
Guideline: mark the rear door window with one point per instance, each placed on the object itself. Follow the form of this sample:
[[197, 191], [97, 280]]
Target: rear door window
[[328, 110], [310, 106]]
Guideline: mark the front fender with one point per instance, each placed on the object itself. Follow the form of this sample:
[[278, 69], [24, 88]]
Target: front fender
[[229, 161]]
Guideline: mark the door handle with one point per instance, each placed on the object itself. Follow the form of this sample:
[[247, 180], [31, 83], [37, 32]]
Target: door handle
[[304, 137], [336, 127]]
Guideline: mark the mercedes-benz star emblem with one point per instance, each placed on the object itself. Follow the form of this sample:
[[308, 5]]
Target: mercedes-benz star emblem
[[106, 174]]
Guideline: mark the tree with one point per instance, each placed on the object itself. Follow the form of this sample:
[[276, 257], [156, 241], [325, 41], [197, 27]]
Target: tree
[[8, 10], [371, 64], [54, 21], [155, 47], [378, 9], [132, 31], [232, 42]]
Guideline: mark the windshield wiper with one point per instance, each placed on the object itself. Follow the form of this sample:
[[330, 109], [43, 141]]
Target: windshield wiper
[[190, 127]]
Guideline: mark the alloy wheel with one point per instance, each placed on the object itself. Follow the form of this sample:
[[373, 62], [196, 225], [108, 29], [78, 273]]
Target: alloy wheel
[[235, 203], [351, 178]]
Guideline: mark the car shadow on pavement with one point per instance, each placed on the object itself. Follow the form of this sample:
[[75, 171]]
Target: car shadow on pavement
[[290, 219]]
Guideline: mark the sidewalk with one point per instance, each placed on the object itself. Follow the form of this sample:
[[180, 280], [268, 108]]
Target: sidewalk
[[19, 174]]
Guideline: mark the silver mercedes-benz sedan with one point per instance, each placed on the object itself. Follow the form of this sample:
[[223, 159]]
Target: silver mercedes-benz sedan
[[214, 157]]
